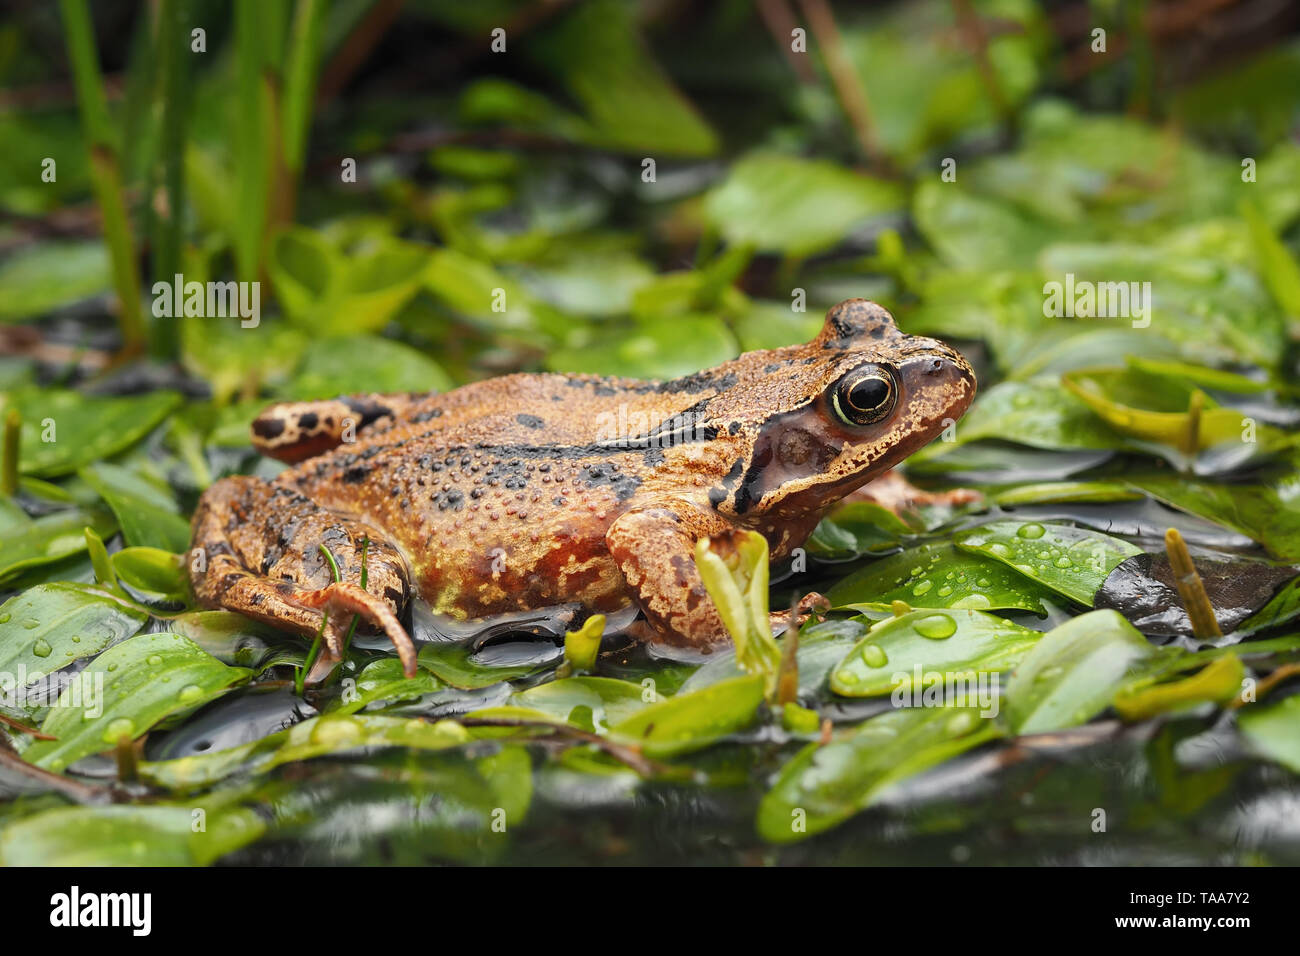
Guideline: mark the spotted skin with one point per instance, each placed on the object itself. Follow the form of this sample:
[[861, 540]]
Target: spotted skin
[[531, 490]]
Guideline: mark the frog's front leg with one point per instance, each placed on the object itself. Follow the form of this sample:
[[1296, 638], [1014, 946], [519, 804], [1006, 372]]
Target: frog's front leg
[[262, 556], [654, 549]]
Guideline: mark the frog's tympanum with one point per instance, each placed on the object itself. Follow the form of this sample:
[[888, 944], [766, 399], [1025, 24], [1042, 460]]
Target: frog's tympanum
[[535, 490]]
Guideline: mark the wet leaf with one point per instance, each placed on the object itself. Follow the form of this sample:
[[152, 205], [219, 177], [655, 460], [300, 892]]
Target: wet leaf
[[1269, 515], [938, 575], [145, 678], [1072, 674], [47, 627], [825, 785], [1071, 561], [924, 644], [1143, 589]]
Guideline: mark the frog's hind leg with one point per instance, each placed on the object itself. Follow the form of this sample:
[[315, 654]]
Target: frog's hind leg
[[263, 549]]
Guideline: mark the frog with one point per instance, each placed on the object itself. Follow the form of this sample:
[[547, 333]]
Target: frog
[[535, 490]]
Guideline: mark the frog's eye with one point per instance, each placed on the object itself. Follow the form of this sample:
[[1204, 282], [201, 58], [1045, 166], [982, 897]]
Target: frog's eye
[[864, 396]]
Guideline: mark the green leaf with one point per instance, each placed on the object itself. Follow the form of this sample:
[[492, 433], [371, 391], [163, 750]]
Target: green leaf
[[46, 276], [145, 678], [156, 574], [81, 428], [128, 836], [457, 665], [649, 348], [1037, 414], [972, 232], [326, 291], [606, 701], [735, 573], [692, 721], [49, 538], [1071, 561], [47, 627], [384, 681], [632, 105], [1273, 730], [330, 368], [1072, 674], [147, 513], [938, 575], [317, 737], [1269, 515], [1218, 682], [825, 785], [942, 645], [794, 206]]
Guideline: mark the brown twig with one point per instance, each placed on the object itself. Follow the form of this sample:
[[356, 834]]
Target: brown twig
[[1191, 588], [74, 790], [780, 22], [977, 39], [848, 85]]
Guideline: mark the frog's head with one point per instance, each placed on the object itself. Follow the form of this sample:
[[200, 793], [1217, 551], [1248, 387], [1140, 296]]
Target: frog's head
[[854, 402]]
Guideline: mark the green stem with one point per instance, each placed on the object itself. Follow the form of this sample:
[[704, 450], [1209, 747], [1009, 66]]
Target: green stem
[[9, 464], [174, 64], [356, 618], [300, 81], [105, 171]]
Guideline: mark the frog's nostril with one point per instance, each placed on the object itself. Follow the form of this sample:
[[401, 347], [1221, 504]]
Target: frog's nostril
[[936, 366]]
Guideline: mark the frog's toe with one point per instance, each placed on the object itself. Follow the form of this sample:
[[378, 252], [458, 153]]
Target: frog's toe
[[341, 601], [808, 605]]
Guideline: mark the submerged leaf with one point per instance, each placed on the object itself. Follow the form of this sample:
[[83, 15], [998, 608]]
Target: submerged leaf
[[825, 785]]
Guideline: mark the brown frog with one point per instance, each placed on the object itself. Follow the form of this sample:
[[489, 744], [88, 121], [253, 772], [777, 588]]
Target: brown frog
[[535, 490]]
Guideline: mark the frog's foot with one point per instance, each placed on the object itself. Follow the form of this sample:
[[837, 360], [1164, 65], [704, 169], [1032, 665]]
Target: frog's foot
[[273, 554], [341, 601], [810, 603], [891, 490]]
